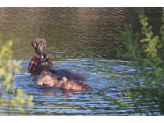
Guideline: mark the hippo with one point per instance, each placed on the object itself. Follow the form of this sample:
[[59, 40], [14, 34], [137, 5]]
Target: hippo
[[41, 61], [48, 79], [66, 84], [40, 55]]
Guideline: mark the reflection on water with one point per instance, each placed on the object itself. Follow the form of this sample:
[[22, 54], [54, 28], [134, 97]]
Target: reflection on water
[[53, 101], [64, 28], [94, 28]]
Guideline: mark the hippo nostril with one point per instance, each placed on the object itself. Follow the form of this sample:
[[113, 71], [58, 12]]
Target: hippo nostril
[[41, 57]]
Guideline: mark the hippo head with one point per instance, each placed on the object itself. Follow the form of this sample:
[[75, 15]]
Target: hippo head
[[46, 78], [73, 85], [43, 57], [39, 45]]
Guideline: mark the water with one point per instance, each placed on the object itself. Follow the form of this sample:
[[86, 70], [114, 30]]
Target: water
[[53, 101], [66, 31]]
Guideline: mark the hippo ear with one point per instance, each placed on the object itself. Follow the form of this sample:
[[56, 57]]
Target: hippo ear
[[44, 45], [33, 44]]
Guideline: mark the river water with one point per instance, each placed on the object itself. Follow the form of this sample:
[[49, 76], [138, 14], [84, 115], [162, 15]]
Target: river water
[[67, 30]]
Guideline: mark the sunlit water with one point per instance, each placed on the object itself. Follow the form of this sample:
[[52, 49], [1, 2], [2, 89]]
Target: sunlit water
[[53, 101], [92, 28]]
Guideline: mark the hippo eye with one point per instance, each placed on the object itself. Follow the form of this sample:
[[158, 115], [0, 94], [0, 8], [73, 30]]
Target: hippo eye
[[72, 83]]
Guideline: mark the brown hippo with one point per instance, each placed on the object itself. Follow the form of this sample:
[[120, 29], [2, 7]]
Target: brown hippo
[[48, 79], [40, 55], [41, 61], [66, 84]]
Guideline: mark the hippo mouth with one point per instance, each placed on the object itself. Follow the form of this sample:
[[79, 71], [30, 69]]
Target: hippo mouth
[[39, 45], [43, 57], [40, 48]]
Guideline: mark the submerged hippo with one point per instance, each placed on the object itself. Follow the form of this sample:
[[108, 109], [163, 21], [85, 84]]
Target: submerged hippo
[[66, 84], [47, 66], [41, 61], [48, 79]]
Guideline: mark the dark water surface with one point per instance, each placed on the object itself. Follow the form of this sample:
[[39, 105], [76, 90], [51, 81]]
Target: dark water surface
[[67, 29]]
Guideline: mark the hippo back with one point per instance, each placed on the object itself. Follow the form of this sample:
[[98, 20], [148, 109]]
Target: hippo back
[[68, 74], [43, 65]]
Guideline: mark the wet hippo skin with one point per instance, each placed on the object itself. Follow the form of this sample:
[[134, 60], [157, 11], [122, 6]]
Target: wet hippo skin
[[47, 66], [40, 55], [48, 79], [68, 74], [41, 61], [67, 84]]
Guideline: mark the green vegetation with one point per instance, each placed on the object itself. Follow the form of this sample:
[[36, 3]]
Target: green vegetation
[[15, 97], [144, 48], [146, 52]]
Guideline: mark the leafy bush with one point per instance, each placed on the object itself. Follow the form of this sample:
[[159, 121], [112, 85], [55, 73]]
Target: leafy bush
[[147, 52], [7, 86]]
